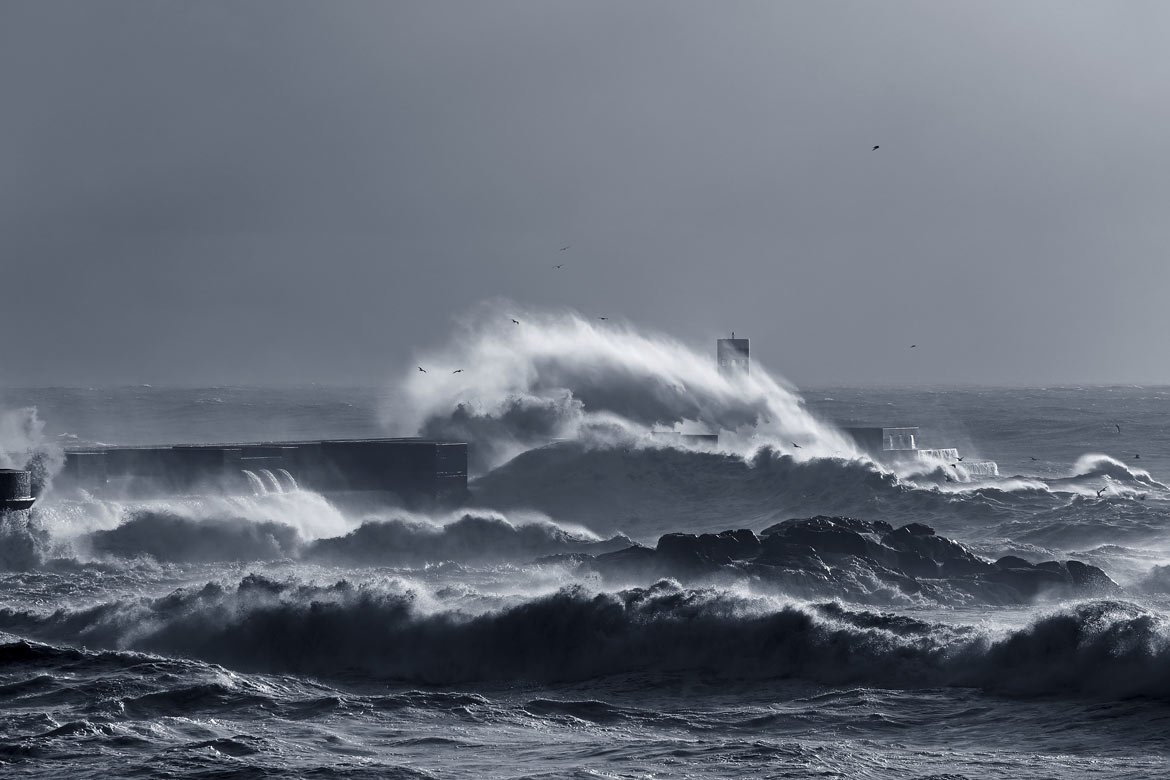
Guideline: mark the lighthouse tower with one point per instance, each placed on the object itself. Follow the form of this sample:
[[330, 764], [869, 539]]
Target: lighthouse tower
[[732, 355]]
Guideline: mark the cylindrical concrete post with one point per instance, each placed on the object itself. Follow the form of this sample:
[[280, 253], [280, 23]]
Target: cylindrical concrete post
[[15, 490]]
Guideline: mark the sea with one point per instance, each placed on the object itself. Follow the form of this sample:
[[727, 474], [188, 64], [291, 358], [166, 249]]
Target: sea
[[271, 632]]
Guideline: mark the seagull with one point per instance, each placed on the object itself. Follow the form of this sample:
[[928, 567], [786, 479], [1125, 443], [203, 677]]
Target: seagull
[[562, 265], [1034, 457], [875, 148], [1099, 492], [457, 371], [564, 248], [912, 346], [420, 368], [1118, 427], [794, 444], [955, 465], [958, 459], [1137, 456], [515, 322], [603, 318]]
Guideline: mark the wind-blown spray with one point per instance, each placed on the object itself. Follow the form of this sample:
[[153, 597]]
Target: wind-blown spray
[[23, 446], [559, 375]]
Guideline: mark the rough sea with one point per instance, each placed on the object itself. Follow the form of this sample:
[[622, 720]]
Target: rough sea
[[272, 634]]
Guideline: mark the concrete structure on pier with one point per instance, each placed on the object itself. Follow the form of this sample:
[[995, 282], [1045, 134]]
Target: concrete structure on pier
[[732, 356], [414, 471], [15, 491], [881, 440]]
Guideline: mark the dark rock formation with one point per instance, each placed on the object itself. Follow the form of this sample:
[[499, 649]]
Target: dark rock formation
[[855, 559]]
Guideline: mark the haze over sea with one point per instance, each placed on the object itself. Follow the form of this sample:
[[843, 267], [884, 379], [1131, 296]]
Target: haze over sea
[[228, 634]]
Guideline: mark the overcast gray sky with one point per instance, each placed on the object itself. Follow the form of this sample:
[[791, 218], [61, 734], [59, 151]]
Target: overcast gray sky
[[269, 192]]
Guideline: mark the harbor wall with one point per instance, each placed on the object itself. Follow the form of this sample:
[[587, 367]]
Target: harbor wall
[[411, 470]]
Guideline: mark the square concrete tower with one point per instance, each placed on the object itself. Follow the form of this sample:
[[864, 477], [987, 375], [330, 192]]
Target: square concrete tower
[[732, 356]]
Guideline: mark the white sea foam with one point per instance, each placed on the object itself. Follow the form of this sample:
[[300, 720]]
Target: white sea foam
[[559, 375]]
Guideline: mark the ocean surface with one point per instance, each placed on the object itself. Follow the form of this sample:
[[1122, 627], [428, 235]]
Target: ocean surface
[[270, 633]]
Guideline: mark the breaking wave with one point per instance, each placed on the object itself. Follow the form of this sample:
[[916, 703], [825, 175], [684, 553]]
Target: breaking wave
[[1111, 649], [268, 529], [170, 537], [645, 491], [652, 490], [478, 538], [23, 445], [561, 376]]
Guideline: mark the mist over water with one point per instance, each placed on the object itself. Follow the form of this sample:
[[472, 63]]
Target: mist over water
[[581, 612]]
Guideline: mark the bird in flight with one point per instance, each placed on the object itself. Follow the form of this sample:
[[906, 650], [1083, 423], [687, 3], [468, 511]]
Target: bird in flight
[[1137, 456], [1118, 427], [958, 459], [420, 368], [794, 444], [562, 265], [875, 148], [1034, 457], [1099, 492], [457, 371], [603, 318], [912, 346], [564, 248], [515, 322]]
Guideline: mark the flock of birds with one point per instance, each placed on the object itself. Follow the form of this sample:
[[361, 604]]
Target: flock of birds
[[515, 321], [560, 266]]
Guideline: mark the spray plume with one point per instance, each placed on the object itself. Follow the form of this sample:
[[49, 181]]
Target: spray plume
[[23, 445], [559, 375]]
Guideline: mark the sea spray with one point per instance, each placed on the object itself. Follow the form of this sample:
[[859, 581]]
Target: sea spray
[[1110, 649], [23, 445], [559, 375]]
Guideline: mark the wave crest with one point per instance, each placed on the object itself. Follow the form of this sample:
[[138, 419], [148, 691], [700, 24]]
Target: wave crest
[[562, 376], [1106, 648]]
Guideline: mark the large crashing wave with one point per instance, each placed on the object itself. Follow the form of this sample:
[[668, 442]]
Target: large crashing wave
[[300, 526], [563, 376], [1105, 648], [653, 490], [23, 445]]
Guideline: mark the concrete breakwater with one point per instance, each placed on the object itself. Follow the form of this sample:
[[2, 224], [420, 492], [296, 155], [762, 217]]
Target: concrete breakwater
[[408, 469]]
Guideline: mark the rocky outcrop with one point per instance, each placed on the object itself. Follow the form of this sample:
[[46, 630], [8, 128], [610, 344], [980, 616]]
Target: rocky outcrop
[[855, 559]]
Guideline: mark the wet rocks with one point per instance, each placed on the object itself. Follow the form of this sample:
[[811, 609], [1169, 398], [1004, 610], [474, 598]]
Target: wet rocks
[[1056, 577], [855, 559]]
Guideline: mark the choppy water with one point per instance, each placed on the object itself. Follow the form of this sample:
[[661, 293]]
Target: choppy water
[[257, 635]]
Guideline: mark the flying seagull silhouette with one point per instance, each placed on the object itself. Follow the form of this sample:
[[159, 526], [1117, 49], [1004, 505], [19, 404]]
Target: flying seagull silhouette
[[420, 368], [603, 318], [562, 265], [564, 248], [515, 322], [912, 346], [1099, 492], [794, 444], [457, 371], [958, 459], [875, 148], [1137, 456], [1034, 458]]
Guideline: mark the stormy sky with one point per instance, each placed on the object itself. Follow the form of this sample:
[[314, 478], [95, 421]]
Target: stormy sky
[[278, 192]]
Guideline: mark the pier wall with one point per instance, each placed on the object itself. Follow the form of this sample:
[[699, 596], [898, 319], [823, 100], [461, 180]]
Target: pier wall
[[413, 470]]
